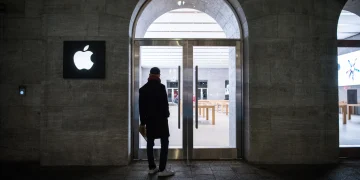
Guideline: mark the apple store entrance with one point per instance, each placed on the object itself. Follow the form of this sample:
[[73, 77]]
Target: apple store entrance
[[203, 81]]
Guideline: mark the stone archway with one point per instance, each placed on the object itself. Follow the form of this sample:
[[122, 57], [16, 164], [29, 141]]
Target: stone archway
[[353, 6], [219, 10], [228, 14]]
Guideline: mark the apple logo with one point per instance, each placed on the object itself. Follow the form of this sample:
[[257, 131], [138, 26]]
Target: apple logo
[[82, 59]]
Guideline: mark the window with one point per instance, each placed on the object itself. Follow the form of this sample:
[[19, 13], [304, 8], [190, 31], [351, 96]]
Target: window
[[202, 89]]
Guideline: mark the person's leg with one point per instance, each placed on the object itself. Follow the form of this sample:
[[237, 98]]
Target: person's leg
[[164, 153], [150, 153]]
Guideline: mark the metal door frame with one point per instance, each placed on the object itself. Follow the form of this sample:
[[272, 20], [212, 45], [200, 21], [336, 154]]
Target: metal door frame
[[188, 152]]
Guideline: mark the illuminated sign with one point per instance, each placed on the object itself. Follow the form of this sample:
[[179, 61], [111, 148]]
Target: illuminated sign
[[84, 59]]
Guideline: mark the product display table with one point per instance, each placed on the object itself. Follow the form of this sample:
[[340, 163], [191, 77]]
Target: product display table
[[225, 105], [206, 108], [220, 105], [349, 109], [343, 111]]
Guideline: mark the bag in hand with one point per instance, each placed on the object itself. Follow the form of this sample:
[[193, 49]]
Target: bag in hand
[[142, 131]]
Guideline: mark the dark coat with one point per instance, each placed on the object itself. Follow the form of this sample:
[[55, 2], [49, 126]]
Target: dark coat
[[154, 109]]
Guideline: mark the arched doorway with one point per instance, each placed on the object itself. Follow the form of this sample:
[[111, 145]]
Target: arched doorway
[[198, 49], [348, 34]]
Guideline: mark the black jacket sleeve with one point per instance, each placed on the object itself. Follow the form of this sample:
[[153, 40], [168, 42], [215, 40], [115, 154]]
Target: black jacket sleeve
[[142, 108], [165, 101]]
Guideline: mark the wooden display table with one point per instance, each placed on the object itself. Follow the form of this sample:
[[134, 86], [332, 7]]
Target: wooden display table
[[205, 105], [225, 105], [343, 110], [350, 109], [221, 105], [204, 111]]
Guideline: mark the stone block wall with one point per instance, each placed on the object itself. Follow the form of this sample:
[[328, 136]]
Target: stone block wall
[[291, 113], [22, 57], [85, 122], [64, 121], [290, 84]]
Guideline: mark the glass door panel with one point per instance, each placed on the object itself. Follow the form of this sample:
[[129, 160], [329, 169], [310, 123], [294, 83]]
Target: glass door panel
[[168, 59], [215, 89], [201, 85]]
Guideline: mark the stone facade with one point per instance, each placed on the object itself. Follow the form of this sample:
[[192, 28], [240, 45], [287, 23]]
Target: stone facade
[[62, 121], [290, 81], [22, 62], [291, 113]]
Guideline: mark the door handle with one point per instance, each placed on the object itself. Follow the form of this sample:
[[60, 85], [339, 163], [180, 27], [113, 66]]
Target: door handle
[[179, 100], [196, 97]]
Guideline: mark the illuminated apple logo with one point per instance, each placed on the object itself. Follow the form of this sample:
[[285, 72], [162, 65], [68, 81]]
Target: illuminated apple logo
[[82, 59]]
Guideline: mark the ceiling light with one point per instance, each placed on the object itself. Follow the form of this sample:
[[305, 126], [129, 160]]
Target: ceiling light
[[181, 3]]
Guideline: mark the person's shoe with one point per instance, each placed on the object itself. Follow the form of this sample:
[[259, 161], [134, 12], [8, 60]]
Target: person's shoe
[[166, 173], [153, 171]]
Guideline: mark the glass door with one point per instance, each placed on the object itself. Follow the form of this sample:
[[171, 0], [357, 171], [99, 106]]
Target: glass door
[[215, 87], [203, 83], [168, 56]]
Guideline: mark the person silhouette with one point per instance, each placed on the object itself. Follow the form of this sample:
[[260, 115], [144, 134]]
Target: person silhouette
[[154, 114]]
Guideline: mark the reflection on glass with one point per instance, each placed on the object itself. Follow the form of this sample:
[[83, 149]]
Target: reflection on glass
[[170, 95]]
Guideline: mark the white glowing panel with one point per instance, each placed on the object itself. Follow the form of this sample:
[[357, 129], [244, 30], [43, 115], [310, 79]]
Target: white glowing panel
[[185, 23], [167, 56], [185, 27], [349, 69]]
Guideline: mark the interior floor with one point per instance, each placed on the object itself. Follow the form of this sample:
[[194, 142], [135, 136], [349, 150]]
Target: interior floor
[[206, 136], [349, 132], [217, 136]]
